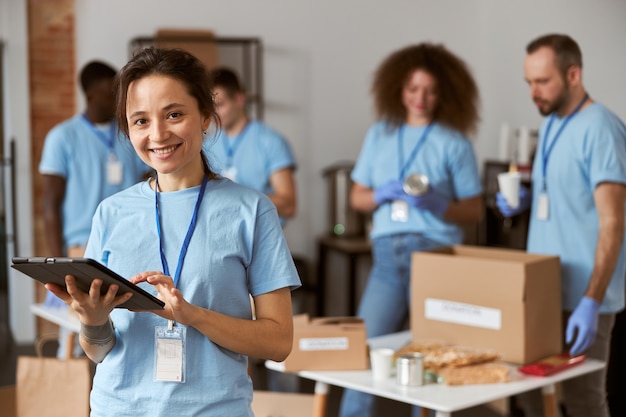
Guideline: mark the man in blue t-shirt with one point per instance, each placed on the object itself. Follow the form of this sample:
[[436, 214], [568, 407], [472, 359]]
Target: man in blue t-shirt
[[577, 210], [247, 151], [84, 160]]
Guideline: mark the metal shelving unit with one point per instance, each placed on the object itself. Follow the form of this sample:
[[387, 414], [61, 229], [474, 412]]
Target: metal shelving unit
[[244, 55]]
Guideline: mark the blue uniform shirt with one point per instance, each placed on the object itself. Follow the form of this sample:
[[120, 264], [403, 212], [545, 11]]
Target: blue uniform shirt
[[73, 150], [590, 150], [237, 249], [446, 158], [258, 153]]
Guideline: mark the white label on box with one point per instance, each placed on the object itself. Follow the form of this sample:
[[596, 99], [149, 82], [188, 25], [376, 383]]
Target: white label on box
[[324, 343], [460, 313]]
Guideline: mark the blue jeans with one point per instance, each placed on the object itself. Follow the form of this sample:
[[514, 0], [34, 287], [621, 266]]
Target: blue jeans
[[386, 302]]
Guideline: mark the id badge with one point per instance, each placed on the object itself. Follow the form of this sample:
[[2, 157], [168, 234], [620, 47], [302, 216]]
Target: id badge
[[230, 173], [169, 353], [399, 211], [543, 207], [115, 171]]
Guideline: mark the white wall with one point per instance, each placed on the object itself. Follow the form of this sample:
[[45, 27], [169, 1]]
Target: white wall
[[319, 58], [320, 55], [17, 122]]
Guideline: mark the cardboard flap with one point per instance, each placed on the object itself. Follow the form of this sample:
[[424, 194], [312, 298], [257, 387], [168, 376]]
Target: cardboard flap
[[337, 321], [469, 279], [301, 320]]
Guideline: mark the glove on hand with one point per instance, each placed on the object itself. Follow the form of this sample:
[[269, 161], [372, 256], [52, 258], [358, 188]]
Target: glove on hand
[[388, 192], [429, 201], [585, 320], [525, 198]]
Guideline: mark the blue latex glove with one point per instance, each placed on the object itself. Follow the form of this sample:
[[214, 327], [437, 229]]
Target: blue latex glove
[[584, 323], [525, 198], [388, 192], [430, 201]]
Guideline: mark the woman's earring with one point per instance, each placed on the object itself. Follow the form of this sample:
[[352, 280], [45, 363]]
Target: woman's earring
[[204, 133]]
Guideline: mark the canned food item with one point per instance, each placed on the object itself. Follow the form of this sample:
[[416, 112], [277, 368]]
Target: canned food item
[[415, 184], [410, 369]]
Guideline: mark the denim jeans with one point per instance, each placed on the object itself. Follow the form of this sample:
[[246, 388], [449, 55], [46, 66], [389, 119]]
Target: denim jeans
[[385, 303]]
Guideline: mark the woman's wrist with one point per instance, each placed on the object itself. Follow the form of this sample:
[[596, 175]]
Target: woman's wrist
[[97, 335]]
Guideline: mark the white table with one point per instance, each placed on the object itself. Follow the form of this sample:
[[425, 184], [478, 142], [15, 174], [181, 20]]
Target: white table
[[57, 315], [62, 317], [441, 398]]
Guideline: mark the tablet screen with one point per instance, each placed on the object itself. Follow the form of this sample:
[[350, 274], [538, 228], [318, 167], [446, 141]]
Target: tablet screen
[[54, 270]]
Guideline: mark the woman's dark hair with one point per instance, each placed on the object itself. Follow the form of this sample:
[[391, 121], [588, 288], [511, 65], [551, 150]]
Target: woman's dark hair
[[457, 92], [175, 63]]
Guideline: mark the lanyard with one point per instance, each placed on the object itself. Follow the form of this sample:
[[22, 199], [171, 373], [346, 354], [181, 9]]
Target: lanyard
[[231, 145], [547, 150], [192, 226], [417, 147], [108, 140]]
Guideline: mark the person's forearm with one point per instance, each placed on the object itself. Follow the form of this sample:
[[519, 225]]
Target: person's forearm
[[54, 233], [97, 341], [285, 205], [469, 210], [362, 199], [260, 338], [608, 248]]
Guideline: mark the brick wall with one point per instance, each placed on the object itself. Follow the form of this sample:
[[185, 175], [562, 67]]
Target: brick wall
[[53, 83]]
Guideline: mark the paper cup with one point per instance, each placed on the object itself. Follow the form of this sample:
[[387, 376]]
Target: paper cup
[[381, 360], [509, 183]]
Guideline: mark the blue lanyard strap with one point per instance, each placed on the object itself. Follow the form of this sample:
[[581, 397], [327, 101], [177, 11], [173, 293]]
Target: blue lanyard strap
[[108, 140], [403, 167], [231, 145], [547, 150], [190, 229]]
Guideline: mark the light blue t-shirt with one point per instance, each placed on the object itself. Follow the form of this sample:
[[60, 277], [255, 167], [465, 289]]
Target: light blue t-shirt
[[237, 249], [256, 153], [74, 151], [446, 157], [590, 150]]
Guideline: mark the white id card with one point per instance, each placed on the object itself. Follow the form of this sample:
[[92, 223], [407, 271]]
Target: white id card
[[169, 353], [543, 207], [115, 171], [399, 211], [230, 173]]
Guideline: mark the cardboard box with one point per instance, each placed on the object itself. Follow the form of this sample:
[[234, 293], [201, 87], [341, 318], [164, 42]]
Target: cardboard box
[[501, 299], [329, 343], [8, 401], [200, 43], [282, 404]]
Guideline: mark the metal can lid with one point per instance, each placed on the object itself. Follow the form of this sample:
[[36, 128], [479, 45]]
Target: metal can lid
[[415, 184], [411, 355]]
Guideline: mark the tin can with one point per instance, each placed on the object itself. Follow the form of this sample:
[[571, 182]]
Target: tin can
[[410, 369], [415, 184]]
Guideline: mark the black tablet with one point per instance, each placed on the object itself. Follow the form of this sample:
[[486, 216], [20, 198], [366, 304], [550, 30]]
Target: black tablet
[[54, 270]]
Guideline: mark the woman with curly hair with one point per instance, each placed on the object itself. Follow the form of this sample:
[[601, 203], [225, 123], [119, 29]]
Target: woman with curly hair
[[427, 103]]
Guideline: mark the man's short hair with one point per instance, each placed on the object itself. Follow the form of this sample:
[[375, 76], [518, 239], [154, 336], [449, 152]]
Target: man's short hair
[[226, 79], [93, 72], [565, 48]]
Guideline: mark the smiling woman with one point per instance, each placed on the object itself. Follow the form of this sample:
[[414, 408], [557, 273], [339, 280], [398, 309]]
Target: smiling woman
[[166, 129], [200, 243]]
